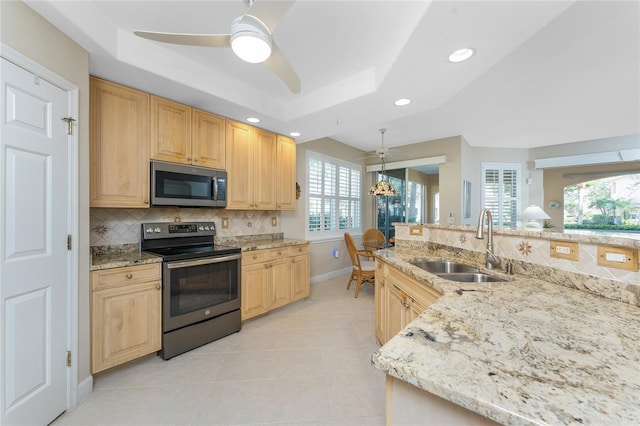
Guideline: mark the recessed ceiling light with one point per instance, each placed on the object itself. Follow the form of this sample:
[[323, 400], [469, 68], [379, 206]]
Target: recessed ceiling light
[[402, 102], [461, 55], [253, 120], [294, 134]]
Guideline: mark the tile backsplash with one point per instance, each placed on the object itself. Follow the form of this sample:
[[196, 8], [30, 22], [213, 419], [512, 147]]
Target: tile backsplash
[[122, 226]]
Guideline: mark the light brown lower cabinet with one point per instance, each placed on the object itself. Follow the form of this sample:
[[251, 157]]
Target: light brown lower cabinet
[[272, 278], [399, 299], [126, 317], [406, 403]]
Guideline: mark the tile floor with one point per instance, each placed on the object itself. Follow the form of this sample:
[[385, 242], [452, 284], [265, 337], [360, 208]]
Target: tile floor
[[306, 363]]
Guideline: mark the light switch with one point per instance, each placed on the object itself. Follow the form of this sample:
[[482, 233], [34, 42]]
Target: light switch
[[618, 257], [225, 222]]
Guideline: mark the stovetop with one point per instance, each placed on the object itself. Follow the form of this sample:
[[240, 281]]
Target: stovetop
[[192, 252], [183, 240]]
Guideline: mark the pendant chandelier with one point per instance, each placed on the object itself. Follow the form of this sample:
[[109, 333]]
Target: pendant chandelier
[[382, 187]]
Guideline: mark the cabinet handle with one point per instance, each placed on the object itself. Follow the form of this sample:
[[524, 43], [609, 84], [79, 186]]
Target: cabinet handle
[[188, 158], [146, 201], [255, 257], [129, 276], [157, 286], [195, 159]]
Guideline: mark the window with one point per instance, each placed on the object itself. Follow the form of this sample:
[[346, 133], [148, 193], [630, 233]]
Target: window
[[334, 190], [500, 192]]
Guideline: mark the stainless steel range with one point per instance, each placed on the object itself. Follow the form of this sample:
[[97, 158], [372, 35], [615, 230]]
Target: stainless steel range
[[201, 284]]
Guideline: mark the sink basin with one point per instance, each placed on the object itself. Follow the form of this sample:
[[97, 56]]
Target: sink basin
[[476, 277], [443, 266]]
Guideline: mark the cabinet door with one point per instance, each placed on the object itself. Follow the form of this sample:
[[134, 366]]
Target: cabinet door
[[280, 285], [208, 140], [170, 131], [240, 166], [300, 277], [125, 324], [264, 188], [254, 290], [286, 170], [118, 145], [380, 294], [395, 311]]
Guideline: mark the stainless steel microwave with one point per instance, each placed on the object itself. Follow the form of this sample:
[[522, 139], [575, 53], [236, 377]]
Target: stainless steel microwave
[[187, 186]]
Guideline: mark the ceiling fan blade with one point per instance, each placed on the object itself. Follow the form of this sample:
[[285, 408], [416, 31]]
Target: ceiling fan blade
[[269, 12], [204, 40], [281, 67]]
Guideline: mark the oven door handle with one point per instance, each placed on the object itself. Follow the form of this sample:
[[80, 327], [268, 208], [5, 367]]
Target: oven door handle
[[205, 261]]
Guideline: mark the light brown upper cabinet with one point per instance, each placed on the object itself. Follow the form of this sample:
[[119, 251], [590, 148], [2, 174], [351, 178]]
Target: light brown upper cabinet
[[118, 145], [251, 167], [181, 134], [208, 140], [286, 170]]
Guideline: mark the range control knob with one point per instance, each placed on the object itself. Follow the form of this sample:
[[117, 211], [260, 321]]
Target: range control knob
[[157, 230], [148, 230], [200, 228]]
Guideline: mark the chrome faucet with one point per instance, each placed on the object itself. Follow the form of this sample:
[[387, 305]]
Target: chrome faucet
[[492, 260]]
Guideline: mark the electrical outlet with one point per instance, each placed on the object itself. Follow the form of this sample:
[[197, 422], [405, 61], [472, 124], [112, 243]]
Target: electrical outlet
[[415, 230], [274, 221], [225, 222], [565, 250]]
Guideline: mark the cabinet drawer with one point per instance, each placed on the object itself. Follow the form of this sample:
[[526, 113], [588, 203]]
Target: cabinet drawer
[[127, 275], [256, 256], [279, 253], [301, 249]]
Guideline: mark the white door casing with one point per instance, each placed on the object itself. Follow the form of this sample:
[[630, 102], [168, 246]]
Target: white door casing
[[34, 260]]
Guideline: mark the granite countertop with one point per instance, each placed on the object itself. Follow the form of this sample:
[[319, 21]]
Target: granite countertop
[[118, 260], [268, 244], [520, 352], [117, 256]]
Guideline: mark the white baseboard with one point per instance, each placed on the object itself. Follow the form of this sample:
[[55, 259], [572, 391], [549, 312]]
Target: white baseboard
[[330, 275], [85, 388]]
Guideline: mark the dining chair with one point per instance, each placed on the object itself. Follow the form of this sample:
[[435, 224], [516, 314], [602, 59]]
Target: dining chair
[[363, 270], [373, 239]]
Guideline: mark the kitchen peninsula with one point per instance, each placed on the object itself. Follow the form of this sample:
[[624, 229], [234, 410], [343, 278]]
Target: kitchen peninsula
[[520, 352]]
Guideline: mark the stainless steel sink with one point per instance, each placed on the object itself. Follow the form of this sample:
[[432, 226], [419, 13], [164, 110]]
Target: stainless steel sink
[[443, 266], [476, 277]]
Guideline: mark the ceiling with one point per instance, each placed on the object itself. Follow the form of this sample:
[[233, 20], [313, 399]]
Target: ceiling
[[544, 73]]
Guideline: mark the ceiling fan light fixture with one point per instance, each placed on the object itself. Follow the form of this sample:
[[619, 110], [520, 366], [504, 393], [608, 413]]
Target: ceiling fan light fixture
[[382, 187], [250, 39]]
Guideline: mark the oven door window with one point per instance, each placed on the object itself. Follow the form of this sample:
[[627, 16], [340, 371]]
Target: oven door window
[[183, 186], [203, 286]]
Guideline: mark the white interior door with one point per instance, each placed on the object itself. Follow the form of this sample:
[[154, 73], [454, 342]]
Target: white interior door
[[34, 158]]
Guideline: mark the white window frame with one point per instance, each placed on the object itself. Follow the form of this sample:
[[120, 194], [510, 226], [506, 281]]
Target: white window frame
[[336, 232], [498, 217]]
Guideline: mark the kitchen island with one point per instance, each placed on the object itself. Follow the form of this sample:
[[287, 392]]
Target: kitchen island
[[520, 352]]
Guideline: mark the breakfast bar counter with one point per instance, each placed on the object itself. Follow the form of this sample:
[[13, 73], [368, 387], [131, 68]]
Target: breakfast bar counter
[[520, 352]]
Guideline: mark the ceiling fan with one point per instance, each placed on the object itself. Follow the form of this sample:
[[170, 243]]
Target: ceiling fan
[[250, 39], [383, 152]]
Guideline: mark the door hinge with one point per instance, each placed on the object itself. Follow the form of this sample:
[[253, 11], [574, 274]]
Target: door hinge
[[68, 358], [69, 121], [68, 242]]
